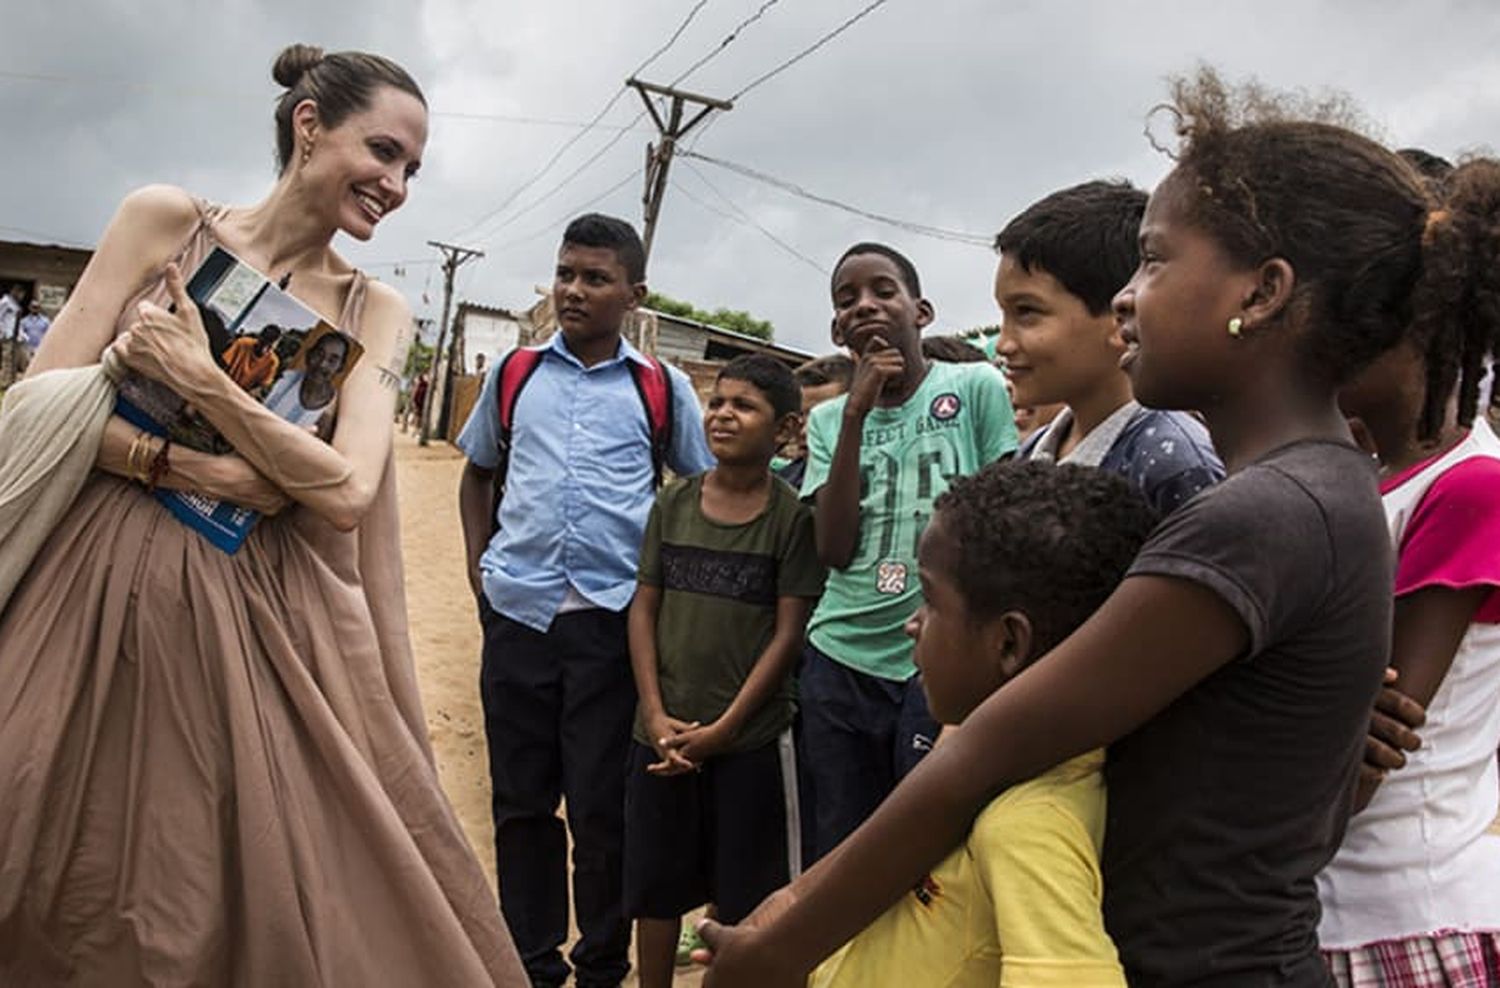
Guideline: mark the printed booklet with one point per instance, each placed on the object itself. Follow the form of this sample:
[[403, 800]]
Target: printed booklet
[[275, 348]]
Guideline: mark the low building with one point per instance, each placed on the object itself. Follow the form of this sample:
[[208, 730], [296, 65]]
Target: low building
[[698, 348], [49, 271]]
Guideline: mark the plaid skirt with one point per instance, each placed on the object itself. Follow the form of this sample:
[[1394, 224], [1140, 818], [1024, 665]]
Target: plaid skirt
[[1441, 960]]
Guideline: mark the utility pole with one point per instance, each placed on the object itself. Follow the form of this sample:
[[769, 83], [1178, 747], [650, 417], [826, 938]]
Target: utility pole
[[659, 156], [453, 259]]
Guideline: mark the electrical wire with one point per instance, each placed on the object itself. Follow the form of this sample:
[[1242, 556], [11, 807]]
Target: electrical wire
[[558, 187], [939, 233], [555, 227], [825, 39], [743, 218], [570, 142], [729, 39], [511, 119]]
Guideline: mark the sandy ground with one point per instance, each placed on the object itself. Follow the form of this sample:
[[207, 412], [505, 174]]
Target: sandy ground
[[445, 636]]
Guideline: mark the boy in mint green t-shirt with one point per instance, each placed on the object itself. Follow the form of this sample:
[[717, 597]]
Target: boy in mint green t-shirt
[[878, 457]]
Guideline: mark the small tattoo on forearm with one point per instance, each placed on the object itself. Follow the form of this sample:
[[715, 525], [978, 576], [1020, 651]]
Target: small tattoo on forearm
[[389, 378]]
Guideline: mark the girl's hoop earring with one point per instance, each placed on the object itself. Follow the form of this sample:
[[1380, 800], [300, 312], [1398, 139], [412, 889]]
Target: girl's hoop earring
[[1236, 327]]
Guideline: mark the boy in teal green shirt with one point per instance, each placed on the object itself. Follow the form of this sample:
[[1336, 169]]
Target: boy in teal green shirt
[[878, 457]]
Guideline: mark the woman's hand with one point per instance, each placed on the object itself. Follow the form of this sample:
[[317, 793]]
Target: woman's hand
[[228, 478], [169, 346]]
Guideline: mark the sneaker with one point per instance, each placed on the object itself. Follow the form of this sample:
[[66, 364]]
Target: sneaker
[[688, 941]]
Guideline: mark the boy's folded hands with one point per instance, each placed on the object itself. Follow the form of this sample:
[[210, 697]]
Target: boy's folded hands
[[665, 731]]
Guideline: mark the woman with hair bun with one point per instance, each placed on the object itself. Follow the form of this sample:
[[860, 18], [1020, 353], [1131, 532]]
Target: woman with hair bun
[[215, 767]]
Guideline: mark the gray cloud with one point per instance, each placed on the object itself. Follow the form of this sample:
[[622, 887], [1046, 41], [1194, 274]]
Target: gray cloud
[[952, 113]]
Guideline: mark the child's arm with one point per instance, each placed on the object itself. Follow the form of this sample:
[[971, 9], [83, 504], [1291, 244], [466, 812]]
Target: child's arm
[[476, 503], [768, 673], [1124, 665], [640, 627], [1429, 625], [837, 525], [1442, 583]]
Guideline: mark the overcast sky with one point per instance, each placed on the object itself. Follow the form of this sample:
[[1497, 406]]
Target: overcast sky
[[948, 113]]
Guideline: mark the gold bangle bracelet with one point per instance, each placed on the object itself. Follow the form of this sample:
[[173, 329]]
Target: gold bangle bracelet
[[137, 458]]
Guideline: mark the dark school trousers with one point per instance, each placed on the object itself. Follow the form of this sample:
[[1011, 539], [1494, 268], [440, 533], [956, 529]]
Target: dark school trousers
[[558, 707], [859, 736]]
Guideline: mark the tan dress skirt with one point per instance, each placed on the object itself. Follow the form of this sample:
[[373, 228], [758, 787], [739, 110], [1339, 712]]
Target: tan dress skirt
[[214, 769]]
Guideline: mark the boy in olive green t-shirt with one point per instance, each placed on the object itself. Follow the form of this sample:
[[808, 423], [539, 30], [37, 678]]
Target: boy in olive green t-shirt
[[727, 576], [878, 457]]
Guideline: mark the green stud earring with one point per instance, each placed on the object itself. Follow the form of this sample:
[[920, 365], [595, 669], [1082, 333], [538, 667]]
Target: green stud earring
[[1236, 325]]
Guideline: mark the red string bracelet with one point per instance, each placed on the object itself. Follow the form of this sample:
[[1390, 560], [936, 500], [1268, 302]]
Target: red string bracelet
[[159, 464]]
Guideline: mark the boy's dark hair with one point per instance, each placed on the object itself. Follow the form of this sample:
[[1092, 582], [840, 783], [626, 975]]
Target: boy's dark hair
[[952, 350], [341, 83], [1432, 167], [1378, 257], [903, 264], [833, 368], [1085, 236], [598, 230], [771, 376], [1049, 541]]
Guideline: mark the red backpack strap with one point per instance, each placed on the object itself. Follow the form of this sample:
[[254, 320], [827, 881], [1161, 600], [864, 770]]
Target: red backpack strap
[[654, 385], [516, 369]]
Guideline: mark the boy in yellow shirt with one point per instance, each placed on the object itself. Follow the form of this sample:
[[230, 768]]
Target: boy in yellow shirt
[[1014, 559]]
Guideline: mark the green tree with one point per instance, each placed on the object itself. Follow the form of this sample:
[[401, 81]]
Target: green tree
[[735, 320], [418, 358]]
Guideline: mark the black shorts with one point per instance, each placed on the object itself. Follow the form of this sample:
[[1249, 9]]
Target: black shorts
[[729, 834]]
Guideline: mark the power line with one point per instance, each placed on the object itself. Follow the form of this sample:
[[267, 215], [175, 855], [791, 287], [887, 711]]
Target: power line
[[609, 105], [553, 227], [698, 138], [544, 197], [810, 49], [511, 119], [956, 236], [743, 218], [451, 114], [734, 33]]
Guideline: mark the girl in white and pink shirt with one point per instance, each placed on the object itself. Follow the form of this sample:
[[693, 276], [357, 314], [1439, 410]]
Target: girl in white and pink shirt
[[1413, 896]]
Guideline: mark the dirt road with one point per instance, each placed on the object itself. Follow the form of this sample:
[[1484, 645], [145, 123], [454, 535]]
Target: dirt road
[[445, 636]]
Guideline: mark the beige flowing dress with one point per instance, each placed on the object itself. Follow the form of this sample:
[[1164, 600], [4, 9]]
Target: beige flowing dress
[[214, 769]]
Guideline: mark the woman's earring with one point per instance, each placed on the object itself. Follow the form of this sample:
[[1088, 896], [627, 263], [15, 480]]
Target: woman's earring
[[306, 152], [1236, 326]]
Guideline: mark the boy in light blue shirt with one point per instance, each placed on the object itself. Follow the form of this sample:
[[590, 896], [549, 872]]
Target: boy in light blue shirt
[[552, 584]]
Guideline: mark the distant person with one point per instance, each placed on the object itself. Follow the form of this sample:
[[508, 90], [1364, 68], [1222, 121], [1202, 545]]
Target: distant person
[[821, 379], [10, 314], [553, 568], [251, 360], [10, 310], [31, 328], [479, 364], [415, 403]]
